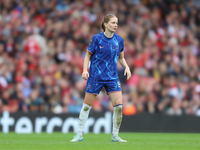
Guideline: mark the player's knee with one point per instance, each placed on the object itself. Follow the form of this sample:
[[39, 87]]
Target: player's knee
[[117, 100]]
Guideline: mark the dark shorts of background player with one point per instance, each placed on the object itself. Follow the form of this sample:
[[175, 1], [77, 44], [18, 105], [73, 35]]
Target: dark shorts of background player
[[94, 87]]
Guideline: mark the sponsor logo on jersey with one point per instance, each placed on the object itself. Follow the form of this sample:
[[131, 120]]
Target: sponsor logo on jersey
[[116, 48]]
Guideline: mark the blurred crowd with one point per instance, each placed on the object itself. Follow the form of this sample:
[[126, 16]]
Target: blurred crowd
[[43, 44]]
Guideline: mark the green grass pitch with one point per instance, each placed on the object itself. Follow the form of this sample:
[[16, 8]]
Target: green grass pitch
[[136, 141]]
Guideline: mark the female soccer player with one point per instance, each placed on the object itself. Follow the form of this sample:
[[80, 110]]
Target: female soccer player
[[104, 50]]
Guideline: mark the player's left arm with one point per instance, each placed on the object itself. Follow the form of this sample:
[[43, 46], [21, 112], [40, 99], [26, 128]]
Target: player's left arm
[[122, 61]]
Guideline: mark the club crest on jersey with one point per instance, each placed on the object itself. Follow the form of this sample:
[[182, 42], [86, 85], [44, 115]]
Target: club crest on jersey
[[116, 48]]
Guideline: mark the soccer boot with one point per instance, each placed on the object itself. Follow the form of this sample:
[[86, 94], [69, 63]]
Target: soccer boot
[[77, 138], [117, 139]]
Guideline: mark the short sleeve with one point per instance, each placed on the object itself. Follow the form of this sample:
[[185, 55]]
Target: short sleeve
[[122, 45], [92, 45]]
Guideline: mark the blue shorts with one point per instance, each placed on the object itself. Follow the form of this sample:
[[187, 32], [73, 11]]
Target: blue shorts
[[94, 87]]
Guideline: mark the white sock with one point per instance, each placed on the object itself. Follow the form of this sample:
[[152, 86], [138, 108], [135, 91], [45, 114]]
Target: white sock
[[83, 116], [117, 119]]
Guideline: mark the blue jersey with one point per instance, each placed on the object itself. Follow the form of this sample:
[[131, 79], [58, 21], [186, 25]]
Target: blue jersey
[[105, 52]]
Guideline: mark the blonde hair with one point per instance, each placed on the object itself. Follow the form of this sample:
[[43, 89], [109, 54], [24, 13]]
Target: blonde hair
[[106, 19]]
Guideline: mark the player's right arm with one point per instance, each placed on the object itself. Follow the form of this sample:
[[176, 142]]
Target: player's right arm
[[85, 74]]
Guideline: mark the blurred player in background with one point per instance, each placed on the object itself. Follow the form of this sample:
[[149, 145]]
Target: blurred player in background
[[104, 50]]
